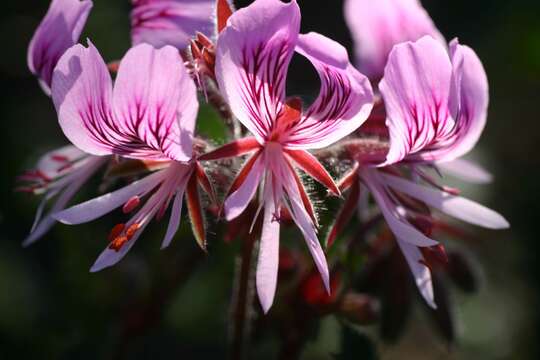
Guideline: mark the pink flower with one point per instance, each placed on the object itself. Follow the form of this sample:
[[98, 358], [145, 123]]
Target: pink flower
[[436, 102], [252, 56], [397, 194], [58, 31], [376, 26], [149, 115], [171, 22], [436, 106]]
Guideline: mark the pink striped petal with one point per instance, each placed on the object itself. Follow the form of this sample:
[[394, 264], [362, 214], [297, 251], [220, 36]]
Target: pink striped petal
[[151, 114], [267, 265], [455, 206], [345, 98], [155, 103], [252, 56], [416, 91], [81, 91], [376, 26], [421, 273], [58, 31], [171, 22], [472, 96]]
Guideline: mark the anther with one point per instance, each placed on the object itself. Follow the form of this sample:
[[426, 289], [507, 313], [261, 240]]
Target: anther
[[116, 231], [117, 243], [132, 229]]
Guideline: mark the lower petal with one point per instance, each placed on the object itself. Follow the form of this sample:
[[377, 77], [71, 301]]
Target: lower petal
[[303, 221], [237, 202], [466, 170], [456, 206], [421, 273], [267, 266], [95, 208], [109, 256], [174, 222]]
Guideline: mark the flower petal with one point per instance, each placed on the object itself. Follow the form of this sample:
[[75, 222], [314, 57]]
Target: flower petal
[[466, 170], [267, 265], [60, 161], [400, 227], [472, 95], [252, 56], [81, 92], [170, 22], [109, 256], [237, 202], [455, 206], [176, 212], [345, 98], [303, 221], [155, 103], [416, 91], [154, 99], [95, 208], [58, 31], [43, 225], [421, 273], [376, 26]]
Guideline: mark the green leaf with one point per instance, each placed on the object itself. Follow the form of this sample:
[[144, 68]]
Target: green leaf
[[210, 125]]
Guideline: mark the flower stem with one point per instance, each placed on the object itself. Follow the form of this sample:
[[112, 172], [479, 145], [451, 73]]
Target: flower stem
[[243, 299]]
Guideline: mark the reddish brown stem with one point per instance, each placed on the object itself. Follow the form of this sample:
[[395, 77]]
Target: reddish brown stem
[[243, 297]]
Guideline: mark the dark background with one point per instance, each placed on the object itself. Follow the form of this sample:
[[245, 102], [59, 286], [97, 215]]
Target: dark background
[[51, 307]]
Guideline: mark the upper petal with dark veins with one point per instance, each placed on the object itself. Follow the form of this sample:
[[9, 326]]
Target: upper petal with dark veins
[[58, 31], [436, 104], [345, 98], [170, 22], [149, 115], [253, 53]]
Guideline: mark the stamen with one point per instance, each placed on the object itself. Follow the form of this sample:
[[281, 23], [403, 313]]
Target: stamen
[[117, 243], [116, 231], [131, 204], [60, 158], [120, 240], [132, 230]]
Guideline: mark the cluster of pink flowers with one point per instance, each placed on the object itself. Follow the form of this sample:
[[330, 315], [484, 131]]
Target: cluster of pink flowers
[[421, 105]]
